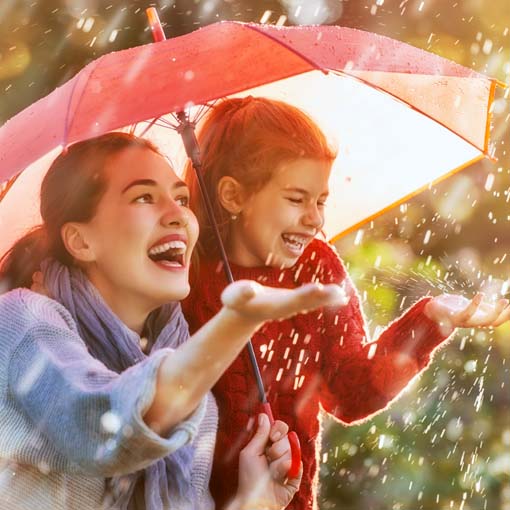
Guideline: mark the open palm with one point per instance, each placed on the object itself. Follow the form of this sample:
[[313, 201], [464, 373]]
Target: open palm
[[452, 311], [260, 303]]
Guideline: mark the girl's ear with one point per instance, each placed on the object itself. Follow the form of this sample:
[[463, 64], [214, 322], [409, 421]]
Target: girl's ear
[[74, 239], [230, 194]]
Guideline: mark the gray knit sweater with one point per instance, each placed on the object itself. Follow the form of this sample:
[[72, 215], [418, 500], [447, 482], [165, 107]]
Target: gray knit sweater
[[67, 423]]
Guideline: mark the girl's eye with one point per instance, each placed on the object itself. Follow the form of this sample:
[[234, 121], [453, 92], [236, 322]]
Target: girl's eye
[[295, 200], [322, 203], [183, 201], [146, 198]]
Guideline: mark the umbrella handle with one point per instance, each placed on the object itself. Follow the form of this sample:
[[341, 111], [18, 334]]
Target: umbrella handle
[[295, 447]]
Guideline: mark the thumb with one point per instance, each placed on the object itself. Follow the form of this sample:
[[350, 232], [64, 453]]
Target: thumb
[[258, 442]]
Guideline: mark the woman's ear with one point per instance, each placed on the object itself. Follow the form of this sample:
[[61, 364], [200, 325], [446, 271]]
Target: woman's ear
[[230, 194], [74, 239]]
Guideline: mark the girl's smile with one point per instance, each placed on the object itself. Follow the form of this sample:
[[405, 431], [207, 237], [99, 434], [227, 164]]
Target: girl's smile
[[276, 223]]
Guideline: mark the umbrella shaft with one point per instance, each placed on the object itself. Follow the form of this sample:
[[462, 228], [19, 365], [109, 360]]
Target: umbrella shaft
[[187, 132]]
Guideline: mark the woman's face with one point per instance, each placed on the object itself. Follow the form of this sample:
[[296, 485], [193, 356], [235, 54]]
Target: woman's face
[[142, 234], [278, 222]]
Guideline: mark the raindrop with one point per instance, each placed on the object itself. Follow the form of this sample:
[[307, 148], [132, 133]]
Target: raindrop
[[487, 47], [489, 182], [110, 422], [265, 17]]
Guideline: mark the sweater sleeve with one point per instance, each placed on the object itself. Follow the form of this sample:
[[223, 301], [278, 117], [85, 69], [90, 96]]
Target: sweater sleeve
[[84, 416], [361, 377]]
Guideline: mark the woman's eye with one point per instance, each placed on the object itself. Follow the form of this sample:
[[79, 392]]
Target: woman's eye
[[322, 203], [183, 201], [146, 198], [295, 200]]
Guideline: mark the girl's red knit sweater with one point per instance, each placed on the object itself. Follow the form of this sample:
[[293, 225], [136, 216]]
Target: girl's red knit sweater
[[319, 359]]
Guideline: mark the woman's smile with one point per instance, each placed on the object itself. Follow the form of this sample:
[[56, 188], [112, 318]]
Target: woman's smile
[[169, 252]]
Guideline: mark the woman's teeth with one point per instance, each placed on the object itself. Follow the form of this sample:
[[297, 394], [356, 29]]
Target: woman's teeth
[[169, 254], [171, 245]]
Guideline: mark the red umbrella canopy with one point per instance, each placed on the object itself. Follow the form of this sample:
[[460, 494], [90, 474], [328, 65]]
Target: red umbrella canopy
[[401, 117]]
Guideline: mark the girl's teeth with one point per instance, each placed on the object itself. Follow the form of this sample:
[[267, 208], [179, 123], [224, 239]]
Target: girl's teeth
[[293, 242]]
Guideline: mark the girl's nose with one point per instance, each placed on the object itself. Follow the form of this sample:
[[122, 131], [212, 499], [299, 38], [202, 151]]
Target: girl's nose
[[174, 214], [314, 217]]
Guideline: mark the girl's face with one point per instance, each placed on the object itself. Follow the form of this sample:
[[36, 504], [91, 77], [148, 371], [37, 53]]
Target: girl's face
[[142, 234], [277, 223]]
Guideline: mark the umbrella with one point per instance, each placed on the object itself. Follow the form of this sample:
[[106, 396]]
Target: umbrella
[[402, 117]]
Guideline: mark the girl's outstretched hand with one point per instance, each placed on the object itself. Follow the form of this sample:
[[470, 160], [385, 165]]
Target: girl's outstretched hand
[[452, 311], [263, 464], [260, 303]]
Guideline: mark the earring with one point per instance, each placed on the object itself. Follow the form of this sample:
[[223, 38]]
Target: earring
[[233, 217]]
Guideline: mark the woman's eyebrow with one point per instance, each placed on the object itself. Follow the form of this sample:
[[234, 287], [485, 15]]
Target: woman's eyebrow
[[151, 182]]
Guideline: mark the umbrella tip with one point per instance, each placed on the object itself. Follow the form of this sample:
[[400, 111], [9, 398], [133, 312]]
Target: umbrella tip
[[155, 24]]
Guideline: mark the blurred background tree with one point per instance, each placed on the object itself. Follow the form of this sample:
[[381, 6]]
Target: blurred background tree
[[446, 443]]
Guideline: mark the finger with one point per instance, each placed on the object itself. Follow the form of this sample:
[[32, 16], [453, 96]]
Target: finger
[[257, 444], [279, 467], [324, 295], [279, 449], [37, 277], [294, 483], [487, 314], [278, 430], [238, 293], [498, 308], [464, 315], [503, 317], [308, 297]]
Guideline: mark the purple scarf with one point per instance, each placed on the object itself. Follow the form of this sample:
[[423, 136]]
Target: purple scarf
[[117, 347]]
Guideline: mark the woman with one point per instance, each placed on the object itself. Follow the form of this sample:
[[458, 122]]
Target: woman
[[103, 402]]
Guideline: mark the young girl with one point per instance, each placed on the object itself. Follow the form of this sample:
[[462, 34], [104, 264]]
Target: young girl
[[266, 165], [103, 403]]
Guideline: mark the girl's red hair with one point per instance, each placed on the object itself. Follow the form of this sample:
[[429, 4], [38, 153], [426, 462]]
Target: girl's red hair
[[248, 139]]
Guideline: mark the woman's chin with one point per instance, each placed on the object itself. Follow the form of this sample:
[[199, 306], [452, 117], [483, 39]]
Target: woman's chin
[[164, 293], [178, 294]]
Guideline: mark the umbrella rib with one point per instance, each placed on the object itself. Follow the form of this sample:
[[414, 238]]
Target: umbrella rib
[[7, 185], [69, 122], [288, 47]]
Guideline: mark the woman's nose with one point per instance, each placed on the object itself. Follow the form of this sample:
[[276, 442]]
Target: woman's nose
[[174, 214]]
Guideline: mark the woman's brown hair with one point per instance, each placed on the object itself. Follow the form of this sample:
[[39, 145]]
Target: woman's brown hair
[[71, 191]]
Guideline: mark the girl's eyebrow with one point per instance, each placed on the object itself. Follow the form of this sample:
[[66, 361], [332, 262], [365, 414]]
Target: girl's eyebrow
[[151, 182], [302, 191]]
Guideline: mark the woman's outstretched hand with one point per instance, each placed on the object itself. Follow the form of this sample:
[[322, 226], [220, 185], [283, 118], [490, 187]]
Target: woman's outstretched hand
[[259, 303], [452, 311], [263, 465]]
